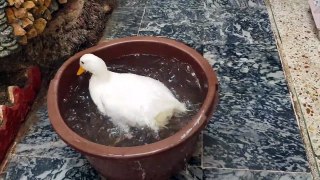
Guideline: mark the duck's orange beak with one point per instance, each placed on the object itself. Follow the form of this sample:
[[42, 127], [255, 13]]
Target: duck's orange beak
[[80, 71]]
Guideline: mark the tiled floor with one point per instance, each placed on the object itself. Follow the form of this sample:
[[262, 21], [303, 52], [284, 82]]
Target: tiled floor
[[299, 46], [254, 132]]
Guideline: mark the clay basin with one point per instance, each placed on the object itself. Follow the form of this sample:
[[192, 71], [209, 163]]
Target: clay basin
[[157, 160]]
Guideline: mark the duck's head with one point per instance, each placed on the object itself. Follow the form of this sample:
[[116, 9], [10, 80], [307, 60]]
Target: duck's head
[[92, 64]]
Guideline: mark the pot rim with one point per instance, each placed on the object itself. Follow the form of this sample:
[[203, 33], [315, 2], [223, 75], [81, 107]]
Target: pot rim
[[94, 149]]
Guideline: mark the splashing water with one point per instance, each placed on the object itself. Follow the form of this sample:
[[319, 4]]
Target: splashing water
[[83, 117]]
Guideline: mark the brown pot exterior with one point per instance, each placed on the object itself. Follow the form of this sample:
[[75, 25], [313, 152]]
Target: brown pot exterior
[[157, 167], [152, 161]]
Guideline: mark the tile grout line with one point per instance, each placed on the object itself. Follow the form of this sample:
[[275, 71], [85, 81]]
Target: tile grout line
[[202, 146], [295, 100], [293, 93], [305, 135], [143, 14], [272, 21], [255, 170], [263, 45], [43, 157]]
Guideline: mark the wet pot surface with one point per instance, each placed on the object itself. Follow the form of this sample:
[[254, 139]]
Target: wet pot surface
[[148, 157]]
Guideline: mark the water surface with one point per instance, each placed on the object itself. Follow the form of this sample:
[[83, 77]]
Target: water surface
[[83, 117]]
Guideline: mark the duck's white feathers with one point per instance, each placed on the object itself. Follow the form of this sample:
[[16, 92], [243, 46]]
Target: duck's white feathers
[[133, 100]]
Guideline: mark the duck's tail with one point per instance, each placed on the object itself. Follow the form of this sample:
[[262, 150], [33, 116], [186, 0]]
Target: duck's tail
[[162, 119], [180, 108]]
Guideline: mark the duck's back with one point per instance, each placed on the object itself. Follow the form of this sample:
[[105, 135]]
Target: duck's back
[[136, 99]]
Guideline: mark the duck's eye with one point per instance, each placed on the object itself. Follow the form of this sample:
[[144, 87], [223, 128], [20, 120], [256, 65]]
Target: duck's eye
[[82, 62]]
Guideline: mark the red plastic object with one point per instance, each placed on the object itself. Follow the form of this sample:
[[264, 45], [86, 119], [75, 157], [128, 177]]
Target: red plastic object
[[13, 116]]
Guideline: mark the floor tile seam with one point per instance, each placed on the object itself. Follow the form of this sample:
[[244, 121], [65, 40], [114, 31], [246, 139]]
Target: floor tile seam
[[254, 93], [43, 157], [202, 26], [124, 10], [284, 64], [274, 94], [298, 110], [255, 108], [177, 7], [250, 93], [143, 14], [207, 43], [202, 21], [239, 9], [204, 8], [117, 9], [295, 86], [202, 147], [311, 145], [301, 119], [256, 170], [192, 21], [177, 22], [263, 48]]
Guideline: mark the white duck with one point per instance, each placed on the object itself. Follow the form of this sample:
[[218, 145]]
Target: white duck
[[128, 99]]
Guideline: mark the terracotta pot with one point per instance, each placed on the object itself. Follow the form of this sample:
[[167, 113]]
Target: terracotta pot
[[152, 161]]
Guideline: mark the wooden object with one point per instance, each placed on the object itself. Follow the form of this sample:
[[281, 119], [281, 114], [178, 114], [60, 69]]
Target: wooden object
[[18, 30], [39, 25]]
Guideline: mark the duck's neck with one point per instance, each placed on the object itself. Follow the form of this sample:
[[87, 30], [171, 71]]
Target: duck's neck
[[102, 74]]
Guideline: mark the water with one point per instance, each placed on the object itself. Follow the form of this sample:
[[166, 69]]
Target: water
[[83, 117]]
